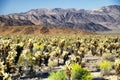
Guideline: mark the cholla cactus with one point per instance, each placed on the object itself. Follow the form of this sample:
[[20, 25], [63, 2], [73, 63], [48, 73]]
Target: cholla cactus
[[52, 63], [10, 61], [3, 74], [12, 55], [5, 49], [117, 65], [111, 47], [30, 45], [78, 44], [6, 76], [2, 67], [68, 69], [19, 49], [65, 56], [61, 45], [46, 58], [37, 58], [73, 58], [82, 52]]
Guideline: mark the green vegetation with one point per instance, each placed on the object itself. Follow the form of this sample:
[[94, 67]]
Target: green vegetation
[[59, 75], [78, 73], [75, 73], [105, 67]]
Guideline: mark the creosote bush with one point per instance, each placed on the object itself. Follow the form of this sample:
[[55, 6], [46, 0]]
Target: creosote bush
[[105, 67], [78, 73], [59, 75]]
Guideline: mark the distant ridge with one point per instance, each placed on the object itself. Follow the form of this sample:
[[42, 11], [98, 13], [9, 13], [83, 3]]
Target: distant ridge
[[101, 19]]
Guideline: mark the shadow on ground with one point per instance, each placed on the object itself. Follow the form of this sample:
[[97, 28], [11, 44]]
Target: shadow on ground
[[38, 75]]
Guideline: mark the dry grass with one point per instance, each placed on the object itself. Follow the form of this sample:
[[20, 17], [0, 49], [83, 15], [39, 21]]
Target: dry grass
[[40, 30]]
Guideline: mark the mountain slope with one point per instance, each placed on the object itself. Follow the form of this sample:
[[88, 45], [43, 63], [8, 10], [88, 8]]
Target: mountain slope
[[41, 30], [102, 19]]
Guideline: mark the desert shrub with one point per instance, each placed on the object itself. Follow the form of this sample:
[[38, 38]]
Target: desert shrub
[[59, 75], [108, 57], [78, 73], [105, 67]]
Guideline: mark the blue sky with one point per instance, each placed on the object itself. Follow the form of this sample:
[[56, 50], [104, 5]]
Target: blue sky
[[17, 6]]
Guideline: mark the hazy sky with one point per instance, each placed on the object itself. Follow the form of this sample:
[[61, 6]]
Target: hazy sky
[[16, 6]]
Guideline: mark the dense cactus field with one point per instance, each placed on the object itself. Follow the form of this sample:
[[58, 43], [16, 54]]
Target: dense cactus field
[[58, 57]]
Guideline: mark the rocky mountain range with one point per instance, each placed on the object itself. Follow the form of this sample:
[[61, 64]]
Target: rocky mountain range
[[101, 19]]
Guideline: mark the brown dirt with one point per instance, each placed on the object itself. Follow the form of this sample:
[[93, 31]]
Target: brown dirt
[[40, 30]]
